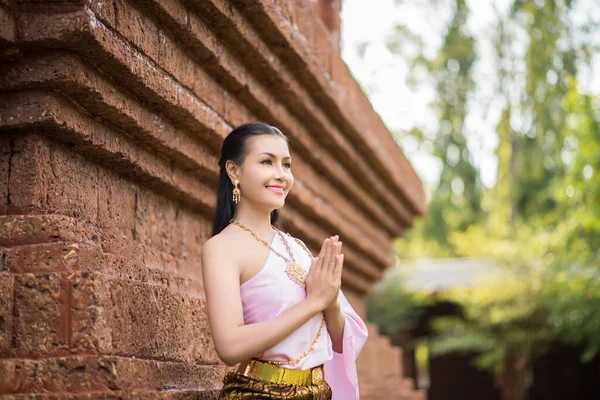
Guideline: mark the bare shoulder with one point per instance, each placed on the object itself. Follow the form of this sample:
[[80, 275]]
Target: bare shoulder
[[217, 246], [214, 243], [218, 249]]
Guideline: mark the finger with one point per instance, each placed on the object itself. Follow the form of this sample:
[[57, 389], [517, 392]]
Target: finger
[[317, 265], [339, 263], [321, 255], [335, 252], [333, 256], [328, 256], [334, 247], [339, 248]]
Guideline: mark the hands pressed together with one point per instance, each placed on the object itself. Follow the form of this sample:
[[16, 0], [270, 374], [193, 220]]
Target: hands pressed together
[[325, 276]]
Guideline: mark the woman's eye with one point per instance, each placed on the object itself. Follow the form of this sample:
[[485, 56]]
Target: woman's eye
[[287, 165]]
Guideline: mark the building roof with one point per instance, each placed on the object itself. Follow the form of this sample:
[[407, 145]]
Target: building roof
[[438, 274]]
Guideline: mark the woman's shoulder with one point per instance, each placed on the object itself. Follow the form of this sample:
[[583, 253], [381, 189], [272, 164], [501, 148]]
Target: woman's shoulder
[[221, 243]]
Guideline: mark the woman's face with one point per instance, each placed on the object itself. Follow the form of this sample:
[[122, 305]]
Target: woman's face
[[266, 176]]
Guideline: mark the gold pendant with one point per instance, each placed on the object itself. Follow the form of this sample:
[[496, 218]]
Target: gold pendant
[[296, 273]]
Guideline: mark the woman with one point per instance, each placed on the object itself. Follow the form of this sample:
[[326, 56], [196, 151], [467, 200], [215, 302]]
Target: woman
[[273, 308]]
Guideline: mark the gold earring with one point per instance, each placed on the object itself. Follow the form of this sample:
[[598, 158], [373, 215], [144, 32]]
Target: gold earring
[[236, 191]]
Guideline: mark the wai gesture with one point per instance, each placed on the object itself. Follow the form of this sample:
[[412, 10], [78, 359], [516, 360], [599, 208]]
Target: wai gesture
[[325, 276]]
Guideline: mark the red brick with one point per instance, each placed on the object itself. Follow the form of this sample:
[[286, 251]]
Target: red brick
[[174, 60], [6, 152], [205, 50], [129, 266], [129, 22], [116, 203], [192, 394], [156, 128], [207, 89], [7, 24], [150, 321], [137, 72], [194, 189], [112, 105], [193, 154], [39, 300], [28, 184], [32, 229], [193, 229], [6, 310], [109, 316], [155, 221], [91, 309], [305, 19], [34, 26], [53, 257], [173, 9], [72, 184], [197, 110], [235, 112], [81, 374], [46, 178]]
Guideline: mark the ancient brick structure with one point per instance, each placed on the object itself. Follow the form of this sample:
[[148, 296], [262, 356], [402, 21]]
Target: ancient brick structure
[[112, 113]]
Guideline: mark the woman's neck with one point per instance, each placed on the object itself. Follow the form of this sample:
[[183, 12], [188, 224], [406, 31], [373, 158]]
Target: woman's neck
[[257, 220]]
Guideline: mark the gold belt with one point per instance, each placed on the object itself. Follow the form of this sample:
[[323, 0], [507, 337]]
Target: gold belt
[[272, 373]]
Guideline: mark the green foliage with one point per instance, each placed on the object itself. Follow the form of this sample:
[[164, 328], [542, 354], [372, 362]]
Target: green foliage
[[393, 308], [573, 301], [501, 317], [541, 220]]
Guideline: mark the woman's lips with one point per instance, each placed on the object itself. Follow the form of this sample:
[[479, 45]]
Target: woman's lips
[[275, 189]]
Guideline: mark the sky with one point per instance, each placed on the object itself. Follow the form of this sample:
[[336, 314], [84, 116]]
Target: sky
[[383, 75]]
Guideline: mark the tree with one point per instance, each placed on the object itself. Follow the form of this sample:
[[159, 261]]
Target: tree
[[541, 218]]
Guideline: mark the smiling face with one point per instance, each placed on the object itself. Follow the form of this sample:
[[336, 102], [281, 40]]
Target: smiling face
[[265, 175]]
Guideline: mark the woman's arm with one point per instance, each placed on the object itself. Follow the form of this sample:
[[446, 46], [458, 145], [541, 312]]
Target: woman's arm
[[235, 341], [334, 318], [335, 325]]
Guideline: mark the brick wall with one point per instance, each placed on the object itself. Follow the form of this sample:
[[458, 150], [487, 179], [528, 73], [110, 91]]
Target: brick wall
[[111, 117]]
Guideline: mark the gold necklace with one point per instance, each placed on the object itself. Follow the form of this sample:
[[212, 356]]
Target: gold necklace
[[294, 271], [297, 279]]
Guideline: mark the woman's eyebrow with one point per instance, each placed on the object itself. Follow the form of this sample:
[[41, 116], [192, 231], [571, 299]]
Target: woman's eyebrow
[[273, 155]]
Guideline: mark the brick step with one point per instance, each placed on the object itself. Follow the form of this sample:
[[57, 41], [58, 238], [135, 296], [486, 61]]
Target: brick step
[[387, 382], [99, 374], [399, 394], [209, 394]]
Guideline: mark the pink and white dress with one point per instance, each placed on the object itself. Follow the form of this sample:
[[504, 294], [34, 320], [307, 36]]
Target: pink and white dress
[[270, 292]]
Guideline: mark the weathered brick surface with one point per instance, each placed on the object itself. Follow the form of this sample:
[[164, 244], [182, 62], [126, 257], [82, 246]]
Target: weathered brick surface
[[6, 152], [80, 374], [6, 310], [380, 371], [112, 114], [7, 27], [202, 394], [38, 326], [59, 257]]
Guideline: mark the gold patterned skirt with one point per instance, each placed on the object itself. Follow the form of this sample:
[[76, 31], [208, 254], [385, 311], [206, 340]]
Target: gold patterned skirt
[[259, 380]]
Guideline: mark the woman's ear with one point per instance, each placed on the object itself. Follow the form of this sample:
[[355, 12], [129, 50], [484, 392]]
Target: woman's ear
[[232, 170]]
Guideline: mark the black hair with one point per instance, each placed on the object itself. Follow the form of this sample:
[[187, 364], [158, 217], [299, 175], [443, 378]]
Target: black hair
[[235, 148]]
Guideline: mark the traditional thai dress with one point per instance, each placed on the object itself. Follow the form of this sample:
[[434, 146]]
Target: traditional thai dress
[[265, 296]]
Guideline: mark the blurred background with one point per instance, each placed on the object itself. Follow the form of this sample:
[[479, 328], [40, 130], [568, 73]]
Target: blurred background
[[496, 103]]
